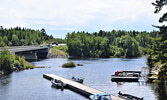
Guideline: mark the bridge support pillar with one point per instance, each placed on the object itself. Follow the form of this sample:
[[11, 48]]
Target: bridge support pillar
[[33, 54], [29, 56], [41, 54]]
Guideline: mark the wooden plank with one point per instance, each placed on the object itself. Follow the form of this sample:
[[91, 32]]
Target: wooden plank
[[78, 86]]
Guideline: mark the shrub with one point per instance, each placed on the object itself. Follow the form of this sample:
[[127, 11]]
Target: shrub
[[16, 63], [22, 61], [69, 64], [6, 60]]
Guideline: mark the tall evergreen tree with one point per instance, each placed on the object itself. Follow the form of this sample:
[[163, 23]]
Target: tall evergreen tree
[[158, 52]]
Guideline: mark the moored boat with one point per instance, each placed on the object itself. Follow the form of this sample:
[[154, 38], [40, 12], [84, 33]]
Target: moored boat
[[79, 80], [126, 76], [128, 73], [101, 96], [128, 96], [58, 83]]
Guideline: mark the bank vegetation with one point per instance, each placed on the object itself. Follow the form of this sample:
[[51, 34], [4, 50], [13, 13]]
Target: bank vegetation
[[70, 64], [10, 62]]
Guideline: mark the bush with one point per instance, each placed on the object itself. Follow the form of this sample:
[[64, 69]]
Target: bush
[[22, 61], [69, 64], [9, 60], [16, 63], [6, 61]]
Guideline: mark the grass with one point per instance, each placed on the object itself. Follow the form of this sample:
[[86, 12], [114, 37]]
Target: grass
[[59, 50], [23, 62], [69, 65], [28, 66], [63, 48]]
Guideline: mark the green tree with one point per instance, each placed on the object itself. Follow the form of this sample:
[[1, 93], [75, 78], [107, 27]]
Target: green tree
[[159, 4], [6, 60], [131, 46], [15, 40], [5, 40], [1, 42]]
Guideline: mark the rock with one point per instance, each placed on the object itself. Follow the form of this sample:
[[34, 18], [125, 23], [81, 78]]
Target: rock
[[79, 64]]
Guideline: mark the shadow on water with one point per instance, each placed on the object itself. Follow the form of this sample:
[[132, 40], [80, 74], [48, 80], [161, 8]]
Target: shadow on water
[[120, 83], [5, 80]]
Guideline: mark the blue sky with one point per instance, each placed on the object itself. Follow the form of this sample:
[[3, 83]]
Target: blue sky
[[61, 16]]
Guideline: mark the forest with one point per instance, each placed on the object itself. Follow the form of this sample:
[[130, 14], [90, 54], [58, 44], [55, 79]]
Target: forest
[[22, 37], [109, 43]]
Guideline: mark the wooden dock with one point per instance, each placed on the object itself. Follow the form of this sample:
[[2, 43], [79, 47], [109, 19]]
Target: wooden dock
[[77, 87]]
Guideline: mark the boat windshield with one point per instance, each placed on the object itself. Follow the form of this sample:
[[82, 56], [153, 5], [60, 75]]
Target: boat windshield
[[106, 97]]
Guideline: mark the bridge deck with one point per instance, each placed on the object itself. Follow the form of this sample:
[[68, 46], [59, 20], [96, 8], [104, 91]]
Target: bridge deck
[[78, 86], [23, 48]]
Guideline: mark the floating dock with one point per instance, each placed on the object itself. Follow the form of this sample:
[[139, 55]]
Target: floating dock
[[77, 87], [130, 79], [126, 76], [132, 76], [124, 79]]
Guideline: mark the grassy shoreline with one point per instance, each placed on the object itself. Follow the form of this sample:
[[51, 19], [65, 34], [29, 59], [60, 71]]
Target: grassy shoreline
[[59, 51]]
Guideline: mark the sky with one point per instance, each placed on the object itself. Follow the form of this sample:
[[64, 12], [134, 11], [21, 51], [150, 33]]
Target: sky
[[58, 17]]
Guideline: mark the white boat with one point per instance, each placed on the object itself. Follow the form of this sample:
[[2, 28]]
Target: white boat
[[58, 83], [100, 96]]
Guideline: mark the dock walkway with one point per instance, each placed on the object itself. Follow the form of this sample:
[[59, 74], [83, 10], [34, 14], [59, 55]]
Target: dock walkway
[[80, 88]]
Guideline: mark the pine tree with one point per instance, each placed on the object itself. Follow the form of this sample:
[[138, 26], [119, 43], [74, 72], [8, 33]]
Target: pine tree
[[160, 51]]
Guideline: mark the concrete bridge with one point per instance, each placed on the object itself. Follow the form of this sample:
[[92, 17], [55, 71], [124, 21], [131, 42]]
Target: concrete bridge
[[30, 53]]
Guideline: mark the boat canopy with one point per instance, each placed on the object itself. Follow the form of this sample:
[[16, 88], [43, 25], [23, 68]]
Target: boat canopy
[[117, 72]]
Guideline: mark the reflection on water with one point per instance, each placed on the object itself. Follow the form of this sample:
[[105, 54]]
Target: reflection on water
[[120, 83], [5, 80], [30, 84]]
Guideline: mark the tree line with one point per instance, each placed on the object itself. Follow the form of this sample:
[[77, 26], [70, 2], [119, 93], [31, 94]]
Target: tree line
[[22, 37], [109, 43]]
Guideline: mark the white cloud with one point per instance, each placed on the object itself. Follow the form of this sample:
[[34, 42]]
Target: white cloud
[[73, 12]]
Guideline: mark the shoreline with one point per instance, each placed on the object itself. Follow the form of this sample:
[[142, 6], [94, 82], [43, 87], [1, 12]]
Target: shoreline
[[2, 73]]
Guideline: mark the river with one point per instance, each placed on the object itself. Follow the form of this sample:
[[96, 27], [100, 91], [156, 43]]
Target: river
[[30, 84]]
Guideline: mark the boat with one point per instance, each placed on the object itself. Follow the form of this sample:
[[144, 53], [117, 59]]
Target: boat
[[79, 80], [128, 73], [58, 84], [126, 76], [100, 96], [128, 96]]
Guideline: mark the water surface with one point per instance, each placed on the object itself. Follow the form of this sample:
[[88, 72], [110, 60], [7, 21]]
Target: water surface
[[30, 84]]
